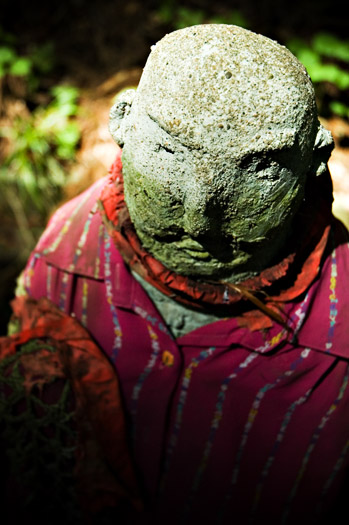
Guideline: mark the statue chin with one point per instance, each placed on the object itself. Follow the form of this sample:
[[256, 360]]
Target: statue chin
[[190, 258]]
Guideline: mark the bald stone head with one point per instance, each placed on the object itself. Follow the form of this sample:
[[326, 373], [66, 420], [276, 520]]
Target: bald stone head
[[218, 140]]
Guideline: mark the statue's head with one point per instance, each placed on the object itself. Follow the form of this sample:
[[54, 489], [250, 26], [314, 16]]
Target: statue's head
[[218, 141]]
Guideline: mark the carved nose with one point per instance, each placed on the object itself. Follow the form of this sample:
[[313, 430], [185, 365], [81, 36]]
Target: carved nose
[[198, 217]]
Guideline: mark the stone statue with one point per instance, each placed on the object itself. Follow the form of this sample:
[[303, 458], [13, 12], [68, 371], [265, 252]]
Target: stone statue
[[218, 142], [182, 348]]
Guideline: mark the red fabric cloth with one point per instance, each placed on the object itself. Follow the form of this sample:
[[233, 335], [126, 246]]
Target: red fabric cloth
[[104, 470]]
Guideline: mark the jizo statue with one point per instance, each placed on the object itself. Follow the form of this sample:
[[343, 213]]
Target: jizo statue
[[218, 141], [184, 321]]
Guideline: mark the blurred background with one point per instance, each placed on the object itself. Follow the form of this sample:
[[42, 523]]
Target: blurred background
[[63, 62]]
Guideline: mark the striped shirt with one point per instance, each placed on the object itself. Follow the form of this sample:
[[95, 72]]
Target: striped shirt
[[226, 425]]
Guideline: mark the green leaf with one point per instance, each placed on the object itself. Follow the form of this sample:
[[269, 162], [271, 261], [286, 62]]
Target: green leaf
[[342, 79], [65, 94], [49, 121], [4, 174], [235, 18], [64, 109], [7, 55], [21, 67], [69, 135], [64, 152], [329, 73], [29, 188], [56, 173], [28, 183], [39, 145], [340, 109], [329, 45], [309, 59], [186, 17]]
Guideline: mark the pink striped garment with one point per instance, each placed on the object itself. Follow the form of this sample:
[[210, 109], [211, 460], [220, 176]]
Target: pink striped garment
[[226, 425]]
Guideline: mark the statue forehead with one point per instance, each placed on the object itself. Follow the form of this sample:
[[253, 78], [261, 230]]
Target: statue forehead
[[224, 84]]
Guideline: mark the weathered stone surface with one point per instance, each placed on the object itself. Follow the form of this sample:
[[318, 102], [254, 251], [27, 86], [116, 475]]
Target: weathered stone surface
[[208, 80], [218, 140]]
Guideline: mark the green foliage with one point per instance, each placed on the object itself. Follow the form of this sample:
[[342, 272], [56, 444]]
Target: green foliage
[[235, 18], [39, 147], [338, 108], [39, 144], [184, 17], [178, 16], [39, 62], [326, 59], [329, 45], [11, 63]]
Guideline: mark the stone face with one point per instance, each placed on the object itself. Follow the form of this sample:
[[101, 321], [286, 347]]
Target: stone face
[[218, 140]]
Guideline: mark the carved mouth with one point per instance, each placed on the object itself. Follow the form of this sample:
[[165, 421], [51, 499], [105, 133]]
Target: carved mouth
[[197, 254], [192, 248]]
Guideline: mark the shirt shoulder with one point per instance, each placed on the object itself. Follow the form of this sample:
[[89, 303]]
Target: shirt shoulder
[[326, 323], [73, 238]]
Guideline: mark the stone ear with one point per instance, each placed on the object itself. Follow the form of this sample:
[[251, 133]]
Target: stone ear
[[323, 147], [118, 116]]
